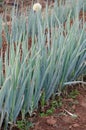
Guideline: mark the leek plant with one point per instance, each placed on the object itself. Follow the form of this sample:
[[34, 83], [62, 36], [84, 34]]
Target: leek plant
[[1, 31], [56, 57]]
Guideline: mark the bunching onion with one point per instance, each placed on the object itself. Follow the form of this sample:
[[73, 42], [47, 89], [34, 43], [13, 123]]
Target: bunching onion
[[45, 52]]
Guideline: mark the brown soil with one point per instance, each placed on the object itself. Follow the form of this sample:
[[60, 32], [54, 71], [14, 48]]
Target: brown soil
[[61, 120]]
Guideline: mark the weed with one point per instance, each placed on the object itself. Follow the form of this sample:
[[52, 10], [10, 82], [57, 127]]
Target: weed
[[73, 94], [42, 100], [50, 111], [54, 104], [59, 102], [43, 114], [24, 124]]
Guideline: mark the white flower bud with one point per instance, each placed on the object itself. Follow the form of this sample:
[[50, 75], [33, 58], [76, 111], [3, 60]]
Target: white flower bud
[[37, 7]]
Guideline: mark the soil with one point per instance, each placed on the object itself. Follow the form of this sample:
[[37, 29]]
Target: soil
[[61, 119]]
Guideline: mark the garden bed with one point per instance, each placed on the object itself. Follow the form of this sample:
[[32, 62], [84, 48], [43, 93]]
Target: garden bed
[[64, 112], [60, 119]]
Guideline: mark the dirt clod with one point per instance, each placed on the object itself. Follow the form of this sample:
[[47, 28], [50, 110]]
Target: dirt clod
[[51, 121], [75, 125]]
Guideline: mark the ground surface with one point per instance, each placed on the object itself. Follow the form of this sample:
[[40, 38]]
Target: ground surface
[[61, 119]]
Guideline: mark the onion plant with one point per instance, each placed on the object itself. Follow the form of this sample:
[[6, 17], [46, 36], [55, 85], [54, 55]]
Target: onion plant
[[55, 58]]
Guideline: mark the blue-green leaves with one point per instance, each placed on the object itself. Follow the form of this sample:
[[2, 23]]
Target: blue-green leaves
[[55, 57], [1, 27]]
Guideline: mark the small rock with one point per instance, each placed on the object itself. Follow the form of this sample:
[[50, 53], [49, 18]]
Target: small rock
[[74, 107], [68, 100], [67, 119], [75, 125], [51, 121], [83, 104], [70, 126]]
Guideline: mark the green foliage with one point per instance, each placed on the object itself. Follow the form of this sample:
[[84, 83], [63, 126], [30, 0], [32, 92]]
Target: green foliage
[[1, 2], [42, 114], [42, 100], [58, 102], [54, 103], [24, 124], [1, 32], [50, 111], [73, 94], [55, 58]]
